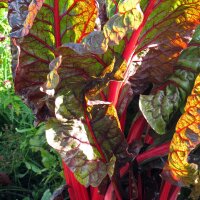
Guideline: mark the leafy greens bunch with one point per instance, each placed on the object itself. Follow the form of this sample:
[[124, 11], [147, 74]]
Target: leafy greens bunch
[[79, 63]]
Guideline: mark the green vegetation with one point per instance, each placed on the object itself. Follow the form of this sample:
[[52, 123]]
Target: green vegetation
[[34, 169]]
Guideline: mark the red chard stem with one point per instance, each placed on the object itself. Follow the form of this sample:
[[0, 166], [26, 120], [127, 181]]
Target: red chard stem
[[154, 152]]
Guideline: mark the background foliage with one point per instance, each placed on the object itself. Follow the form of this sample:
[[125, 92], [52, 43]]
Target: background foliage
[[33, 168]]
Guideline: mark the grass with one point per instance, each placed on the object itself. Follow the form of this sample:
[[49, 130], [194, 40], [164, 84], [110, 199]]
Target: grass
[[34, 169]]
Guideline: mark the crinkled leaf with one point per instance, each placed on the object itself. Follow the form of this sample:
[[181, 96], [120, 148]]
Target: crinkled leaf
[[66, 22], [82, 72], [82, 146], [57, 22], [111, 7], [127, 19], [166, 33], [185, 139], [3, 3], [70, 139], [159, 108], [86, 130]]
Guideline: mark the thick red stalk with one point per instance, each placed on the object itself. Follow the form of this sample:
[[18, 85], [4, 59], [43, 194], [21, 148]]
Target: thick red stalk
[[114, 88], [174, 193], [165, 191], [110, 193], [136, 129], [148, 139], [124, 169], [57, 23], [154, 152], [116, 188], [94, 194], [130, 47], [75, 189], [123, 120], [69, 182]]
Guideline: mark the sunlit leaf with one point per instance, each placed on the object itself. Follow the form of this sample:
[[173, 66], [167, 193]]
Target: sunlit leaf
[[166, 33], [86, 131], [57, 22], [185, 139], [160, 107], [3, 3], [127, 19]]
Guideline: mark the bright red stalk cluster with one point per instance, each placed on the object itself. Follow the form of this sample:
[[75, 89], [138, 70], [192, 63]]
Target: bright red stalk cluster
[[135, 131], [78, 191]]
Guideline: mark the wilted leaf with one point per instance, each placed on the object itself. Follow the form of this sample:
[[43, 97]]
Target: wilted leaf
[[185, 139], [22, 15]]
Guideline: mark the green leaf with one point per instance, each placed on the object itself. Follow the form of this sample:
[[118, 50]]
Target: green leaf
[[47, 195], [26, 198], [3, 3], [166, 32], [180, 167], [48, 159], [127, 19], [88, 148], [36, 143], [33, 167], [39, 36], [85, 130], [159, 108]]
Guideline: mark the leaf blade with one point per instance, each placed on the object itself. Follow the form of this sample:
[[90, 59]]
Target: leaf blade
[[166, 33], [169, 98], [185, 139]]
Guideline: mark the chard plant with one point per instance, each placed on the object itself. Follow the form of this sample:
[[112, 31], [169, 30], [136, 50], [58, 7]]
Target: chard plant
[[82, 65]]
